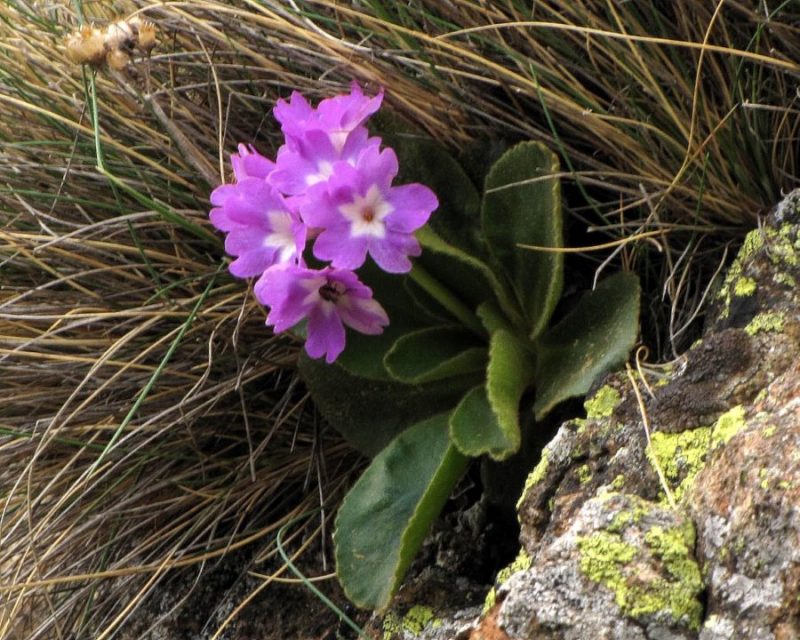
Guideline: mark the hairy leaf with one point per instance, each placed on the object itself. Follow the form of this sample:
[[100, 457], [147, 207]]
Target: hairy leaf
[[370, 413], [435, 353], [388, 512], [487, 418], [594, 337], [522, 205]]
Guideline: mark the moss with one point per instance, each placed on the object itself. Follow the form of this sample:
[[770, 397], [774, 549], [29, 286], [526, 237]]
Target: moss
[[584, 474], [605, 556], [768, 321], [535, 476], [728, 425], [602, 403], [744, 287], [680, 456]]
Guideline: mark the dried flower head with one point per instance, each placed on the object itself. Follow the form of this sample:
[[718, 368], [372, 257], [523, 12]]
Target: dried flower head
[[86, 46], [114, 45], [146, 32]]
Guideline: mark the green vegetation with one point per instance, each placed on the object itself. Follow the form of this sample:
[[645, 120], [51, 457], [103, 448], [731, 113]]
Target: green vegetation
[[674, 119]]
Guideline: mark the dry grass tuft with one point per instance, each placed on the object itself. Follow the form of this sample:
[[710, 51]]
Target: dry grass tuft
[[148, 420]]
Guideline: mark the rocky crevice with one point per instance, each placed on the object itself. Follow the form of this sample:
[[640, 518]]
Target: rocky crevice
[[673, 512]]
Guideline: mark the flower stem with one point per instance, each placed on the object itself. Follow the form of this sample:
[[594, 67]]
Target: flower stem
[[444, 297]]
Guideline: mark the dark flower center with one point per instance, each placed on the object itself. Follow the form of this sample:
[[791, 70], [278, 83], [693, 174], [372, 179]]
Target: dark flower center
[[368, 214], [331, 291]]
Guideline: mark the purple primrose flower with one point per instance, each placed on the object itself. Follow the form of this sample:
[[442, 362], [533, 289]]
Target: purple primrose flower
[[360, 212], [330, 181], [262, 229], [310, 161], [249, 163], [337, 116], [329, 299]]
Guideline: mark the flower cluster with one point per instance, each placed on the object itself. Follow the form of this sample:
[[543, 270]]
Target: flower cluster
[[331, 185]]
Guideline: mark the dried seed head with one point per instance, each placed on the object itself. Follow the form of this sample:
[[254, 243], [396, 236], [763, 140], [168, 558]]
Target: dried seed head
[[86, 46], [146, 32], [120, 36], [118, 59]]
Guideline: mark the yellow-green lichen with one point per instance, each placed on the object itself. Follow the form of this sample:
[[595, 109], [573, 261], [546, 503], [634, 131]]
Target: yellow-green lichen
[[392, 625], [627, 517], [602, 403], [605, 557], [763, 476], [415, 621], [783, 246], [785, 279], [618, 482], [680, 456], [584, 474], [768, 321], [535, 476], [673, 547], [520, 563], [769, 430], [744, 287], [753, 241], [728, 425]]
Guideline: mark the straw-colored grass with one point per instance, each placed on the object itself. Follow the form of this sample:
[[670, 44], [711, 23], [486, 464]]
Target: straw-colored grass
[[148, 420]]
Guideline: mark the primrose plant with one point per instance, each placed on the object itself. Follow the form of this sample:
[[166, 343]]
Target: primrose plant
[[447, 357]]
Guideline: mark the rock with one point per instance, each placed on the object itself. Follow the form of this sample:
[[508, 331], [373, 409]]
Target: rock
[[745, 503], [673, 509], [623, 569]]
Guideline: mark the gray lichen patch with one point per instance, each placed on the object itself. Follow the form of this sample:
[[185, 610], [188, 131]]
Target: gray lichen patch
[[630, 568]]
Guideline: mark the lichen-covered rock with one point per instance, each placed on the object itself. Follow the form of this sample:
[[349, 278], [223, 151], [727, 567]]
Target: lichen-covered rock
[[673, 509], [623, 569], [713, 442], [746, 504]]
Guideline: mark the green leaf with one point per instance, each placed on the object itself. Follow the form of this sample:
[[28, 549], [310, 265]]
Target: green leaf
[[492, 318], [468, 277], [487, 418], [435, 353], [388, 512], [369, 413], [457, 220], [522, 205], [594, 337], [474, 428]]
